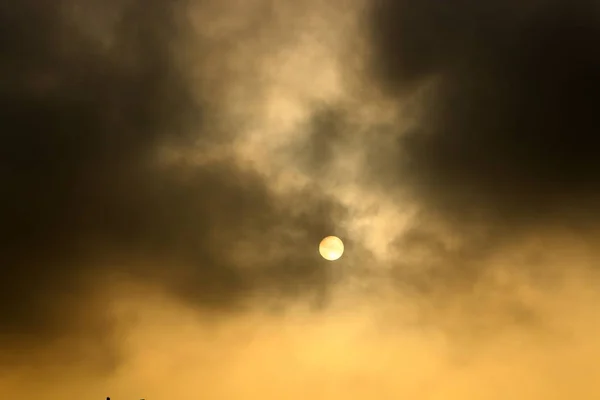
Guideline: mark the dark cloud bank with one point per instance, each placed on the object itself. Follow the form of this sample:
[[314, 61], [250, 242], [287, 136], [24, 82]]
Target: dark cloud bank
[[83, 195], [509, 126], [506, 136], [504, 147]]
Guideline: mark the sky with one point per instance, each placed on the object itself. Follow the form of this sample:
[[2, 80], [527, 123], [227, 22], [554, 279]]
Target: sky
[[168, 169]]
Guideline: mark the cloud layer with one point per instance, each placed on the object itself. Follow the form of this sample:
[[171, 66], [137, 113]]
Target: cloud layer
[[91, 186], [506, 123], [169, 168]]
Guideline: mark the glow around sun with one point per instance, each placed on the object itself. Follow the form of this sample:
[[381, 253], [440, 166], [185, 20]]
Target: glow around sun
[[331, 248]]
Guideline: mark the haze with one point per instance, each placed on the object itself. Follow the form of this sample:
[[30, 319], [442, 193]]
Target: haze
[[168, 168]]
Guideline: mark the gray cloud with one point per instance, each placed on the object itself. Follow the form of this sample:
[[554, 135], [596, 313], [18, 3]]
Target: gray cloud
[[119, 164], [507, 122], [84, 196]]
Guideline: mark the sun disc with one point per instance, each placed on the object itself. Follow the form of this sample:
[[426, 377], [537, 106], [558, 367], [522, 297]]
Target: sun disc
[[331, 248]]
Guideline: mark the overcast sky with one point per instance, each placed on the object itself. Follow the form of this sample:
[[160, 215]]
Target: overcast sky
[[168, 168]]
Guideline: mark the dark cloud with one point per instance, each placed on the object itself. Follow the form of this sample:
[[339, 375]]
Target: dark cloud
[[507, 126], [84, 197], [325, 134], [495, 145]]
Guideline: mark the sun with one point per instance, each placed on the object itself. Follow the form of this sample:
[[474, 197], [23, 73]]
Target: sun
[[331, 248]]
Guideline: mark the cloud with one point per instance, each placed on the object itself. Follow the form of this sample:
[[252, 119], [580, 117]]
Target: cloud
[[506, 92], [493, 142], [97, 186], [170, 168]]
